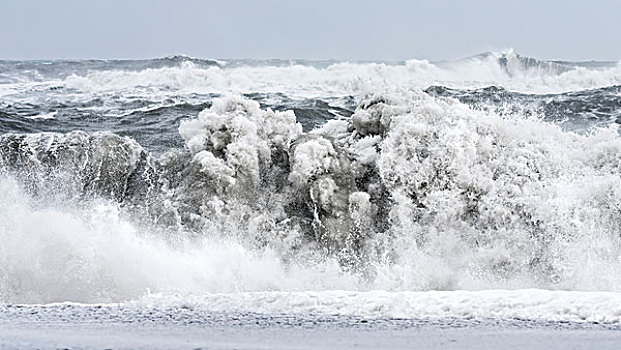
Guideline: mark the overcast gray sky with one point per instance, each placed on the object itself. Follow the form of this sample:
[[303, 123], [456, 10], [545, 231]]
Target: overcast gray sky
[[318, 29]]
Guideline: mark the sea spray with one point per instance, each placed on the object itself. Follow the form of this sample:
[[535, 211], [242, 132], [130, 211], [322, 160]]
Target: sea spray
[[413, 192]]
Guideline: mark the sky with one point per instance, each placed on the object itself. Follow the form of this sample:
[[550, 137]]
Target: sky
[[318, 29]]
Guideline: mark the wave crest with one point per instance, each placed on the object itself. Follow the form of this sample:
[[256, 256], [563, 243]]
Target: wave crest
[[508, 69]]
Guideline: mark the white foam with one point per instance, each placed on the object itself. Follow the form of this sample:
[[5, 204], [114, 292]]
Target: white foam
[[50, 115], [475, 193], [531, 304], [356, 78], [95, 255]]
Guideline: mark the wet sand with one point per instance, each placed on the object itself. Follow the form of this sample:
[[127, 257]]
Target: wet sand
[[247, 331]]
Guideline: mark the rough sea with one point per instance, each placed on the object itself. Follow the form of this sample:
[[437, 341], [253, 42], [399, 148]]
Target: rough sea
[[185, 202]]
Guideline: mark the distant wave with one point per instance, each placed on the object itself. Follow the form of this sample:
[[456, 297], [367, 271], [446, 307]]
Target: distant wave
[[508, 69]]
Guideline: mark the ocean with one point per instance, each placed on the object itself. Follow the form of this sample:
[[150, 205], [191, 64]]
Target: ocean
[[309, 200]]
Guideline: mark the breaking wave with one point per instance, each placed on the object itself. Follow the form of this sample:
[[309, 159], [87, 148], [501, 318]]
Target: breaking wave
[[508, 69], [412, 193]]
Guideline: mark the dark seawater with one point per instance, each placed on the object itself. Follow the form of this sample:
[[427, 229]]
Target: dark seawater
[[38, 98], [39, 101], [577, 111]]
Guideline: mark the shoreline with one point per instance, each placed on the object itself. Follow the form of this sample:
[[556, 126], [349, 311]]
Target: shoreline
[[249, 331]]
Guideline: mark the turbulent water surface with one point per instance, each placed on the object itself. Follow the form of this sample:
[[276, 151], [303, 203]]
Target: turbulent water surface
[[477, 188]]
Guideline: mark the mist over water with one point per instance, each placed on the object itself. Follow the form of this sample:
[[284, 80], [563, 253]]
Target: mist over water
[[179, 177]]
